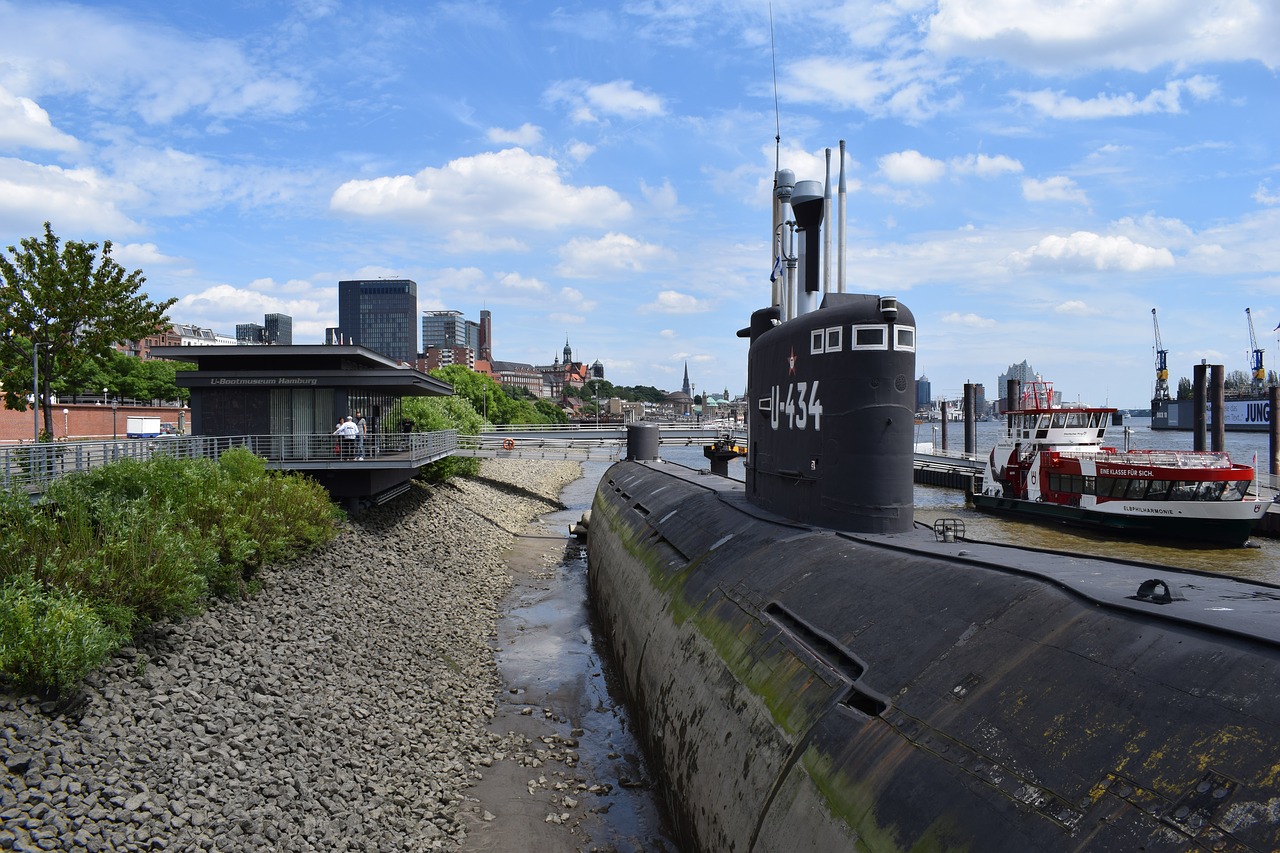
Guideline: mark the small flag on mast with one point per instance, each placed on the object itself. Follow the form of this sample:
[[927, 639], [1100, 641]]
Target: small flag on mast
[[777, 271]]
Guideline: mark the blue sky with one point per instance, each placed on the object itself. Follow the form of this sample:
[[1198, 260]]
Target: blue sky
[[1030, 178]]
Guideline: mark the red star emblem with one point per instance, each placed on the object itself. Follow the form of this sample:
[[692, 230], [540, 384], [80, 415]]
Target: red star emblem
[[791, 363]]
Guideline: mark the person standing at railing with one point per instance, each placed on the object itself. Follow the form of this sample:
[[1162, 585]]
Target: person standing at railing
[[362, 429], [346, 432]]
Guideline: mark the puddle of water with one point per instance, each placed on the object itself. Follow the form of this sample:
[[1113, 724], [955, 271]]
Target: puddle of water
[[552, 661]]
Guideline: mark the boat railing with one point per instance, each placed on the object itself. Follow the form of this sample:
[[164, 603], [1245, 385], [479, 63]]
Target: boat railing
[[1177, 458], [1161, 458]]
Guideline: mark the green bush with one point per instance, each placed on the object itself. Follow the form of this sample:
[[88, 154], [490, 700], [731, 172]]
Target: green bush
[[138, 541], [431, 414], [49, 639]]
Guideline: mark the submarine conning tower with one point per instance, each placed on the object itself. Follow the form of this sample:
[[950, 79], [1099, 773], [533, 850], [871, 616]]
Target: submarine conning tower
[[832, 394], [832, 420]]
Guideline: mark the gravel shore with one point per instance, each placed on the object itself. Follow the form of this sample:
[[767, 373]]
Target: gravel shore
[[342, 708]]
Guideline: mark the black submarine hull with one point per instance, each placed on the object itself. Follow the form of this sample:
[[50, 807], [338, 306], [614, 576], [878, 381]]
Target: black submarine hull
[[807, 689]]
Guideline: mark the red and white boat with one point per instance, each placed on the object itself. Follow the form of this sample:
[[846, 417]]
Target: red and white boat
[[1051, 464]]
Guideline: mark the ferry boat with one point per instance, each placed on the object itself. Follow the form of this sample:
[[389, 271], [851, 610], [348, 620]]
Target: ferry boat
[[1051, 464]]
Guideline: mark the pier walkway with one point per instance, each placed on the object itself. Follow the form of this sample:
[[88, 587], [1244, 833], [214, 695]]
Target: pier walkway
[[32, 466]]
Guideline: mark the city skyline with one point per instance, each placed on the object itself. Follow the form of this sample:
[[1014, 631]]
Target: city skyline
[[1029, 177]]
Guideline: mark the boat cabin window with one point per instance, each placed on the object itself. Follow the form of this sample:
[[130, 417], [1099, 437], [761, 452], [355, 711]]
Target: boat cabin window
[[1210, 491], [1071, 483], [1059, 420], [1170, 490], [1137, 490], [870, 337], [905, 338]]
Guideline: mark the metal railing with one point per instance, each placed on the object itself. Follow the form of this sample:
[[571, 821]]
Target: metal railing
[[539, 445], [32, 466]]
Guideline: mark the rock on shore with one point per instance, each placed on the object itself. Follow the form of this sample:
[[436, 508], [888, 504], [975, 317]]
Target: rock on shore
[[342, 708]]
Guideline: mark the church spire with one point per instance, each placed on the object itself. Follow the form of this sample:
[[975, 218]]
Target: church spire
[[685, 388], [568, 353]]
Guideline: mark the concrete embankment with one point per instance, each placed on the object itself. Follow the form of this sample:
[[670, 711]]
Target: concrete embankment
[[342, 708]]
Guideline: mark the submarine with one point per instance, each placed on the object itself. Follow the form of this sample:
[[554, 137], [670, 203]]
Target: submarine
[[813, 670]]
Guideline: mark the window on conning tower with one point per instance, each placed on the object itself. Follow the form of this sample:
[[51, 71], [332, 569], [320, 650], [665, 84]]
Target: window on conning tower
[[870, 337]]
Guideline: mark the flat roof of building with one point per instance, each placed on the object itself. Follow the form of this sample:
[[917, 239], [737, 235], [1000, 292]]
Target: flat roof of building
[[299, 365]]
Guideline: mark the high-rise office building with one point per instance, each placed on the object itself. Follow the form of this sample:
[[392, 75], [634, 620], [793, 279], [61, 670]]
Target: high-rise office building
[[250, 333], [278, 329], [379, 315], [924, 393]]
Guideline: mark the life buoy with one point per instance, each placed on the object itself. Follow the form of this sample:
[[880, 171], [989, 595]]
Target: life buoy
[[508, 444]]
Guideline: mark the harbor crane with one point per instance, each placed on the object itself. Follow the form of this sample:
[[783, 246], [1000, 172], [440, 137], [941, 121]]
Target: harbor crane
[[1259, 373], [1162, 363]]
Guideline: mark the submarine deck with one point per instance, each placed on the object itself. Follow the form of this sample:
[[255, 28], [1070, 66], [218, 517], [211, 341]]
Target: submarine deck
[[1232, 606]]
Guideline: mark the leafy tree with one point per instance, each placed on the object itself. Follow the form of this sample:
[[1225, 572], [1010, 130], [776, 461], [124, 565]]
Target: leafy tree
[[551, 413], [479, 389], [1184, 389], [128, 376], [74, 305], [1237, 380], [430, 414], [497, 404], [647, 394]]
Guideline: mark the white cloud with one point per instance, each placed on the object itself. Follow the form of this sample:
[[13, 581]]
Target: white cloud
[[1264, 195], [525, 135], [1057, 188], [1057, 104], [674, 302], [970, 320], [1075, 308], [1087, 250], [121, 65], [512, 281], [141, 255], [579, 151], [74, 199], [572, 297], [24, 124], [663, 197], [583, 257], [1089, 34], [220, 307], [170, 181], [905, 85], [985, 166], [511, 188], [911, 167], [669, 334], [597, 102]]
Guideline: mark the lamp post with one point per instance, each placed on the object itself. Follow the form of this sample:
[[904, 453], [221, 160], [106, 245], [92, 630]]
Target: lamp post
[[66, 416], [115, 407], [35, 389], [104, 396]]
